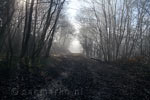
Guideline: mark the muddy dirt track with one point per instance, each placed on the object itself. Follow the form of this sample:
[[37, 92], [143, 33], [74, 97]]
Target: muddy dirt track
[[76, 77]]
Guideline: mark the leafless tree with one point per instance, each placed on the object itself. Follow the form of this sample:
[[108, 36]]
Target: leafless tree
[[119, 30]]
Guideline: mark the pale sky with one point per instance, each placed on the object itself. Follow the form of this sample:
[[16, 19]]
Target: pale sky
[[73, 9]]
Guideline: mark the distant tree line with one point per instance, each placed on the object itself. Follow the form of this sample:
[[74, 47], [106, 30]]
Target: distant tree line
[[115, 29]]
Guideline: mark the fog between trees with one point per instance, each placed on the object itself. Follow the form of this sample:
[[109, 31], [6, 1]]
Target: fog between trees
[[115, 29], [110, 29]]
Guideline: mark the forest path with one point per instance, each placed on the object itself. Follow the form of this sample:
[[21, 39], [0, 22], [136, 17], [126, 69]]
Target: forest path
[[75, 77]]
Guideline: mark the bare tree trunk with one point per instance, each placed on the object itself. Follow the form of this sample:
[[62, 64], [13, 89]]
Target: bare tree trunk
[[27, 29]]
